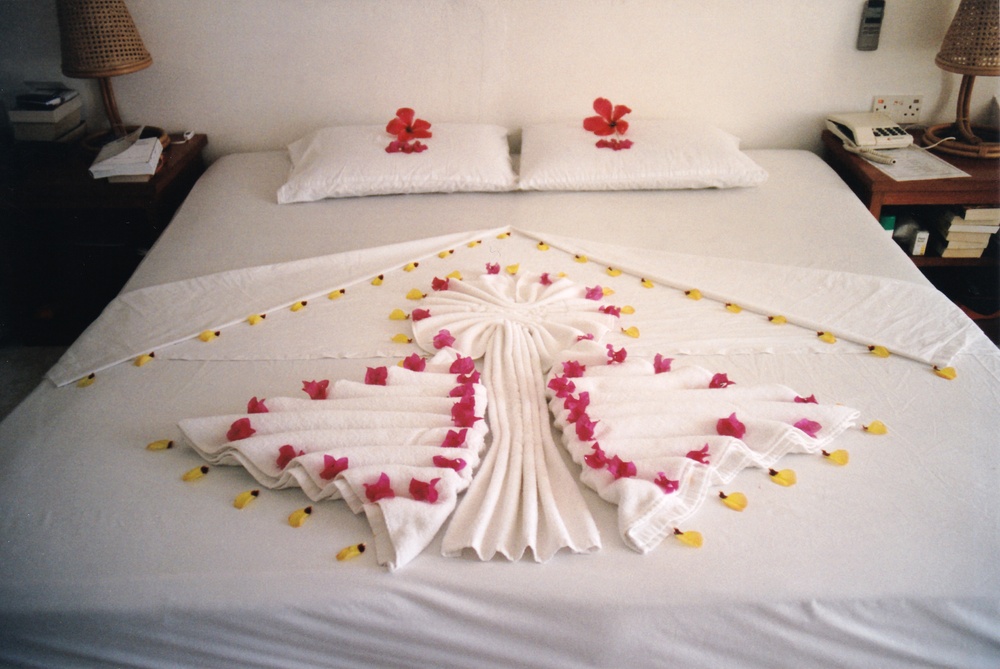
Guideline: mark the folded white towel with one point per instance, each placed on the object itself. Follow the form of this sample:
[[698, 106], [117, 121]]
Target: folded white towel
[[654, 448]]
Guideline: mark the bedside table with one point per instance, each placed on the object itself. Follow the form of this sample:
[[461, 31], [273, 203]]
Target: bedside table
[[70, 242], [972, 283]]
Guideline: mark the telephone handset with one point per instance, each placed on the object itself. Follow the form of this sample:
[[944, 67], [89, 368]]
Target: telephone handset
[[864, 132]]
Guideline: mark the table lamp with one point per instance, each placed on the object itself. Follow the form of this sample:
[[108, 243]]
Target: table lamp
[[971, 48], [99, 40]]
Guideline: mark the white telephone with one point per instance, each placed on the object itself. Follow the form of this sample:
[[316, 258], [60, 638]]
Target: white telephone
[[864, 132]]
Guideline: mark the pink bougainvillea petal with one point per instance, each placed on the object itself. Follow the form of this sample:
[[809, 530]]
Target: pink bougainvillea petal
[[443, 339], [376, 376], [414, 363], [585, 428], [458, 464], [596, 460], [462, 365], [720, 381], [573, 369], [256, 405], [420, 314], [615, 357], [806, 400], [561, 386], [493, 268], [621, 469], [333, 466], [240, 429], [317, 390], [381, 489], [454, 439], [424, 491], [667, 485], [286, 454], [701, 455], [730, 427], [439, 284], [661, 364], [810, 427], [595, 293]]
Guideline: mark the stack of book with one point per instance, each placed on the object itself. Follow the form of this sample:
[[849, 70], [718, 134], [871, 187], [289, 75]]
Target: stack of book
[[48, 112], [963, 232]]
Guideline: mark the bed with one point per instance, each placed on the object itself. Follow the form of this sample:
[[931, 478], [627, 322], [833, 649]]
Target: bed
[[882, 554]]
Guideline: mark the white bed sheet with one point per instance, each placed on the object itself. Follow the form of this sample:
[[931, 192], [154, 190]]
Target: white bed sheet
[[108, 558]]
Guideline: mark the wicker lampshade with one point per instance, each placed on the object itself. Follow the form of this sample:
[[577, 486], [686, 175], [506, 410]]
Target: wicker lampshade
[[971, 48], [99, 39], [972, 43]]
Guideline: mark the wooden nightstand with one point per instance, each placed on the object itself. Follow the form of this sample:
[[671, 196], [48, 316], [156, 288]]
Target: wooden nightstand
[[972, 283], [70, 242]]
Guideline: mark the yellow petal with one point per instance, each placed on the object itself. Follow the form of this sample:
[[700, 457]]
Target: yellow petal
[[689, 538], [337, 294], [503, 235], [879, 351], [632, 331], [410, 266], [455, 275], [398, 315], [253, 319], [245, 498], [827, 337], [350, 552], [945, 372], [876, 427], [160, 445], [415, 294], [512, 269], [694, 294], [838, 457], [299, 306], [580, 258], [614, 272], [143, 359], [542, 246], [777, 320], [445, 254], [209, 335], [195, 473], [299, 516], [646, 283], [785, 477], [476, 243], [401, 339], [86, 381], [607, 291], [734, 308], [377, 281], [627, 309], [736, 501]]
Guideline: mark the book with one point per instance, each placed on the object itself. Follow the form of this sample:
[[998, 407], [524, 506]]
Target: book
[[53, 115], [973, 213], [127, 155], [948, 220], [941, 247], [978, 237], [46, 132]]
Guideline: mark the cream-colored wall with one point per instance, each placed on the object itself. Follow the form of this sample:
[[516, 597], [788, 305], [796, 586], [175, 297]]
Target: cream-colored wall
[[257, 74]]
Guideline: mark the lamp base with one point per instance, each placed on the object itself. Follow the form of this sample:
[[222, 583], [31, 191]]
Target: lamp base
[[987, 147], [94, 142]]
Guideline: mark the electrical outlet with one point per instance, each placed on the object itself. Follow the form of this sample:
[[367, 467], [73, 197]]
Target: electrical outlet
[[902, 109]]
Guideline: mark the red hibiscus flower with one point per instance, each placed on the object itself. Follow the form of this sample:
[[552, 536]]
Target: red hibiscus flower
[[405, 127], [609, 119]]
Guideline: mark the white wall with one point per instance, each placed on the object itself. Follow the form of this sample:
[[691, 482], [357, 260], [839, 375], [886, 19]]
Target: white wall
[[257, 74]]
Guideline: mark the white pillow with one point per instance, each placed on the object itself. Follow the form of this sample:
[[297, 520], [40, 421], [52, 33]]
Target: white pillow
[[350, 161], [664, 154]]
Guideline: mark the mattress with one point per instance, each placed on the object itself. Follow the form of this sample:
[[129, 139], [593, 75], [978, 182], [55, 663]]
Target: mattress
[[110, 558]]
